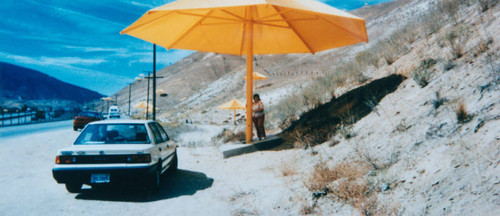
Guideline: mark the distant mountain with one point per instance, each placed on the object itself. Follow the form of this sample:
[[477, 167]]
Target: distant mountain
[[18, 82]]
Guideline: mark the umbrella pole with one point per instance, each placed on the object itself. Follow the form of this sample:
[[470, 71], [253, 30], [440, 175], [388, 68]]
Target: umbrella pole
[[234, 116], [249, 48]]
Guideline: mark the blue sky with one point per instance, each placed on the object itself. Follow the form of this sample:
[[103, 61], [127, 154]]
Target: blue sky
[[78, 41]]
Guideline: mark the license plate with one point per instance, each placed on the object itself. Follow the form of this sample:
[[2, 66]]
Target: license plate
[[99, 178]]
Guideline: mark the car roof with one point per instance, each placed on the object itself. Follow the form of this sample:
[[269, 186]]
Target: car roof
[[89, 111], [123, 121]]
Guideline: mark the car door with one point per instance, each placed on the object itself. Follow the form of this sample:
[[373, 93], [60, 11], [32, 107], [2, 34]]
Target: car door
[[160, 144], [170, 144]]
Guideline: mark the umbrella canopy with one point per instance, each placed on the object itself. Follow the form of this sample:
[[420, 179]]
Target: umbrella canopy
[[248, 27], [291, 26], [257, 76], [232, 104]]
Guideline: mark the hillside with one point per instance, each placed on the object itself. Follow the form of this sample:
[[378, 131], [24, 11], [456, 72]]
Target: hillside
[[19, 83], [202, 81], [407, 124]]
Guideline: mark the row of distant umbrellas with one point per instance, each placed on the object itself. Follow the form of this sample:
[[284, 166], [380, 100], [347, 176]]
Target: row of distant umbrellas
[[233, 104]]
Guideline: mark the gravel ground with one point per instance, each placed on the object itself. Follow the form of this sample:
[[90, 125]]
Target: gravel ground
[[205, 184]]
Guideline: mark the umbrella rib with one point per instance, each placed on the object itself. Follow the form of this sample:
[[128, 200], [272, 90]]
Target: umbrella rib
[[206, 16], [243, 35], [296, 32], [262, 19], [232, 14], [272, 25], [224, 23], [148, 23], [189, 30], [356, 35], [290, 20]]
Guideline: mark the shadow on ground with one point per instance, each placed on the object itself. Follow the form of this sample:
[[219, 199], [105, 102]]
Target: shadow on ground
[[180, 183], [319, 124]]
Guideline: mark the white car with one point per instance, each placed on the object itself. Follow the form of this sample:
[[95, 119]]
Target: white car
[[116, 151], [113, 112]]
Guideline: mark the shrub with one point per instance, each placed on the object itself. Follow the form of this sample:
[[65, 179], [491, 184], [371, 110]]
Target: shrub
[[461, 112], [487, 4], [288, 169], [456, 39], [450, 8], [422, 74], [438, 101], [323, 175], [448, 65]]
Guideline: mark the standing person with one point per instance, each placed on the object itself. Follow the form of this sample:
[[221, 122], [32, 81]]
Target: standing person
[[258, 116]]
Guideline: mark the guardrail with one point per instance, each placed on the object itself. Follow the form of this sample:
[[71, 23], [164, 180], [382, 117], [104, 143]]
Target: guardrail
[[29, 117]]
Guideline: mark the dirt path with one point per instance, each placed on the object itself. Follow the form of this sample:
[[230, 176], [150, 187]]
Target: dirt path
[[206, 184]]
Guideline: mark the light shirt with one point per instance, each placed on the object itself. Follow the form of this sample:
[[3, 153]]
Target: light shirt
[[257, 106]]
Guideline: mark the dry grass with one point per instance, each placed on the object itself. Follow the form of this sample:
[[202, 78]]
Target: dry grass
[[288, 169], [323, 175], [461, 112], [307, 209], [353, 191], [346, 181], [456, 39], [231, 136]]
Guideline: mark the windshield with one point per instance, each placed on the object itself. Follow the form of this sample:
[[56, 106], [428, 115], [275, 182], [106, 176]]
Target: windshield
[[89, 114], [113, 134]]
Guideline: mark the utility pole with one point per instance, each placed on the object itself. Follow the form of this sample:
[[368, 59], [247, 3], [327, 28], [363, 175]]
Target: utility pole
[[154, 82], [129, 93], [147, 98]]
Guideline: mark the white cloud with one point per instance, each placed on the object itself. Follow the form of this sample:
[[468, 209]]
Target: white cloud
[[140, 4], [97, 49], [58, 61]]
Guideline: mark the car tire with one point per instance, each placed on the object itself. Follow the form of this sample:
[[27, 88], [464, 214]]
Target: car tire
[[174, 164], [155, 181], [75, 128], [74, 187]]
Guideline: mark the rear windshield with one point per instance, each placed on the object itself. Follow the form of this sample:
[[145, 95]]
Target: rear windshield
[[99, 134], [89, 114]]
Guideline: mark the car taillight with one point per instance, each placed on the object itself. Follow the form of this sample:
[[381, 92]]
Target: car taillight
[[63, 159], [140, 158]]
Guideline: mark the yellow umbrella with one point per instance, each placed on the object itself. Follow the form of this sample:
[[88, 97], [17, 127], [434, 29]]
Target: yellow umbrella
[[257, 76], [144, 106], [248, 27], [234, 105]]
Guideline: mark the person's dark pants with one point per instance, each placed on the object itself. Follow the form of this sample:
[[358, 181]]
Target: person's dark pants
[[259, 126]]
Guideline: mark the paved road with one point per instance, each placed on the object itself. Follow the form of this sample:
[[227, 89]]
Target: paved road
[[20, 130]]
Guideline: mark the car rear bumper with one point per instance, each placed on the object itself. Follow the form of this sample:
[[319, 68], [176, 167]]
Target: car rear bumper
[[117, 174]]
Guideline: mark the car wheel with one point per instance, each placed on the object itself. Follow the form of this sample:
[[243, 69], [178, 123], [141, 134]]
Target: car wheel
[[74, 187], [174, 164], [75, 128], [155, 180]]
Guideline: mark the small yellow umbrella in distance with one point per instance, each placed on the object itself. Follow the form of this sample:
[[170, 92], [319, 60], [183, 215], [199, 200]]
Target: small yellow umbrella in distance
[[234, 105], [141, 105], [257, 76], [144, 106]]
